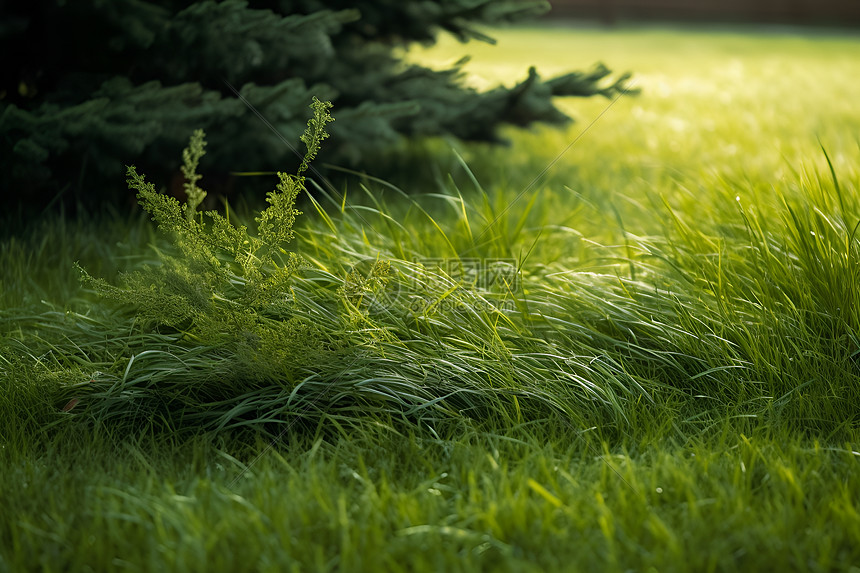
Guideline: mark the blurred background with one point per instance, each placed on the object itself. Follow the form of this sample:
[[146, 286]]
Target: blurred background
[[793, 12]]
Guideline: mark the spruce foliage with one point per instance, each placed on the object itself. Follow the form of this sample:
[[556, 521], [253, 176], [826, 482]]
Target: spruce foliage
[[88, 86]]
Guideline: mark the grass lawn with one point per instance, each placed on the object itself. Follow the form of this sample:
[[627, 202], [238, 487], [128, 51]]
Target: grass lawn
[[645, 357]]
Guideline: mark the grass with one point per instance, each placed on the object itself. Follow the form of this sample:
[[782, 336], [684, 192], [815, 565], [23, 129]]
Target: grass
[[379, 501], [670, 382]]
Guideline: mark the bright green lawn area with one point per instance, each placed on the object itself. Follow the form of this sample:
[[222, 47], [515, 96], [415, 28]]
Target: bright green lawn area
[[672, 383]]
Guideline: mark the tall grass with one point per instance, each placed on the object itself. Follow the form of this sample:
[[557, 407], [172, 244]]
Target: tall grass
[[747, 315]]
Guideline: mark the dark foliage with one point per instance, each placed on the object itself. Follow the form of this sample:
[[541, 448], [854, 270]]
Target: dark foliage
[[89, 86]]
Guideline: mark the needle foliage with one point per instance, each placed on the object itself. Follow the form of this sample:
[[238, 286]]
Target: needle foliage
[[88, 86]]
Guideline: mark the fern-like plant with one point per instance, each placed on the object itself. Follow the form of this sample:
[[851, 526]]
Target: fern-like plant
[[225, 286]]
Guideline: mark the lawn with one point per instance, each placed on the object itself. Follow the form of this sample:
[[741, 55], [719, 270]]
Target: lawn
[[631, 344]]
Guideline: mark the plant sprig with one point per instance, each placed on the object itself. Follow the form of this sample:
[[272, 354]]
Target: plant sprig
[[224, 281]]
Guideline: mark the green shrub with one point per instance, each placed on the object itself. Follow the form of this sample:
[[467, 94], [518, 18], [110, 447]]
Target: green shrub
[[225, 283], [221, 292]]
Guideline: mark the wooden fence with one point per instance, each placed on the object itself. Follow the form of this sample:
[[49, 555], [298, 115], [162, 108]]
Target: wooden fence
[[811, 12]]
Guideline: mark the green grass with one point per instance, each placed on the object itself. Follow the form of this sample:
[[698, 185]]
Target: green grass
[[671, 383], [377, 501]]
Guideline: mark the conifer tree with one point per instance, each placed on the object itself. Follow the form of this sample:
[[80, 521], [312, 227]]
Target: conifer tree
[[91, 85]]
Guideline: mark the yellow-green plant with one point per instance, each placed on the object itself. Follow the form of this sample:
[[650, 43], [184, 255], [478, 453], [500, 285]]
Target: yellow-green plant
[[223, 284]]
